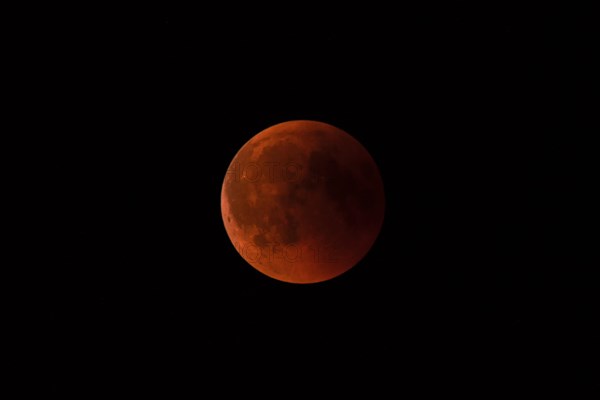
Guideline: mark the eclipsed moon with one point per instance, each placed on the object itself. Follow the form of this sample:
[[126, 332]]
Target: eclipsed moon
[[302, 201]]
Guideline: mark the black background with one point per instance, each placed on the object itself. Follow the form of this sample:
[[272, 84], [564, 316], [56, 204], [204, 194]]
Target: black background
[[477, 117]]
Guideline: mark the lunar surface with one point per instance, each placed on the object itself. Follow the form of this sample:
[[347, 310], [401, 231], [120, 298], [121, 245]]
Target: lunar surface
[[302, 201]]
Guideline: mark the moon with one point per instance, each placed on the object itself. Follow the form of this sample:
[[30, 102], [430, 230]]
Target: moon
[[302, 201]]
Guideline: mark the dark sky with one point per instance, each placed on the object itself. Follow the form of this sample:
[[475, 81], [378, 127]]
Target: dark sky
[[477, 117]]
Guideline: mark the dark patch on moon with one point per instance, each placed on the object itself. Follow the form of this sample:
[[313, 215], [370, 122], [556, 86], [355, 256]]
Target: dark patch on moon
[[296, 195], [277, 157], [289, 235], [338, 183], [260, 240]]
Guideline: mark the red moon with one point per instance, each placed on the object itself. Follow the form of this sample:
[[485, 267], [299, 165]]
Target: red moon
[[302, 201]]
